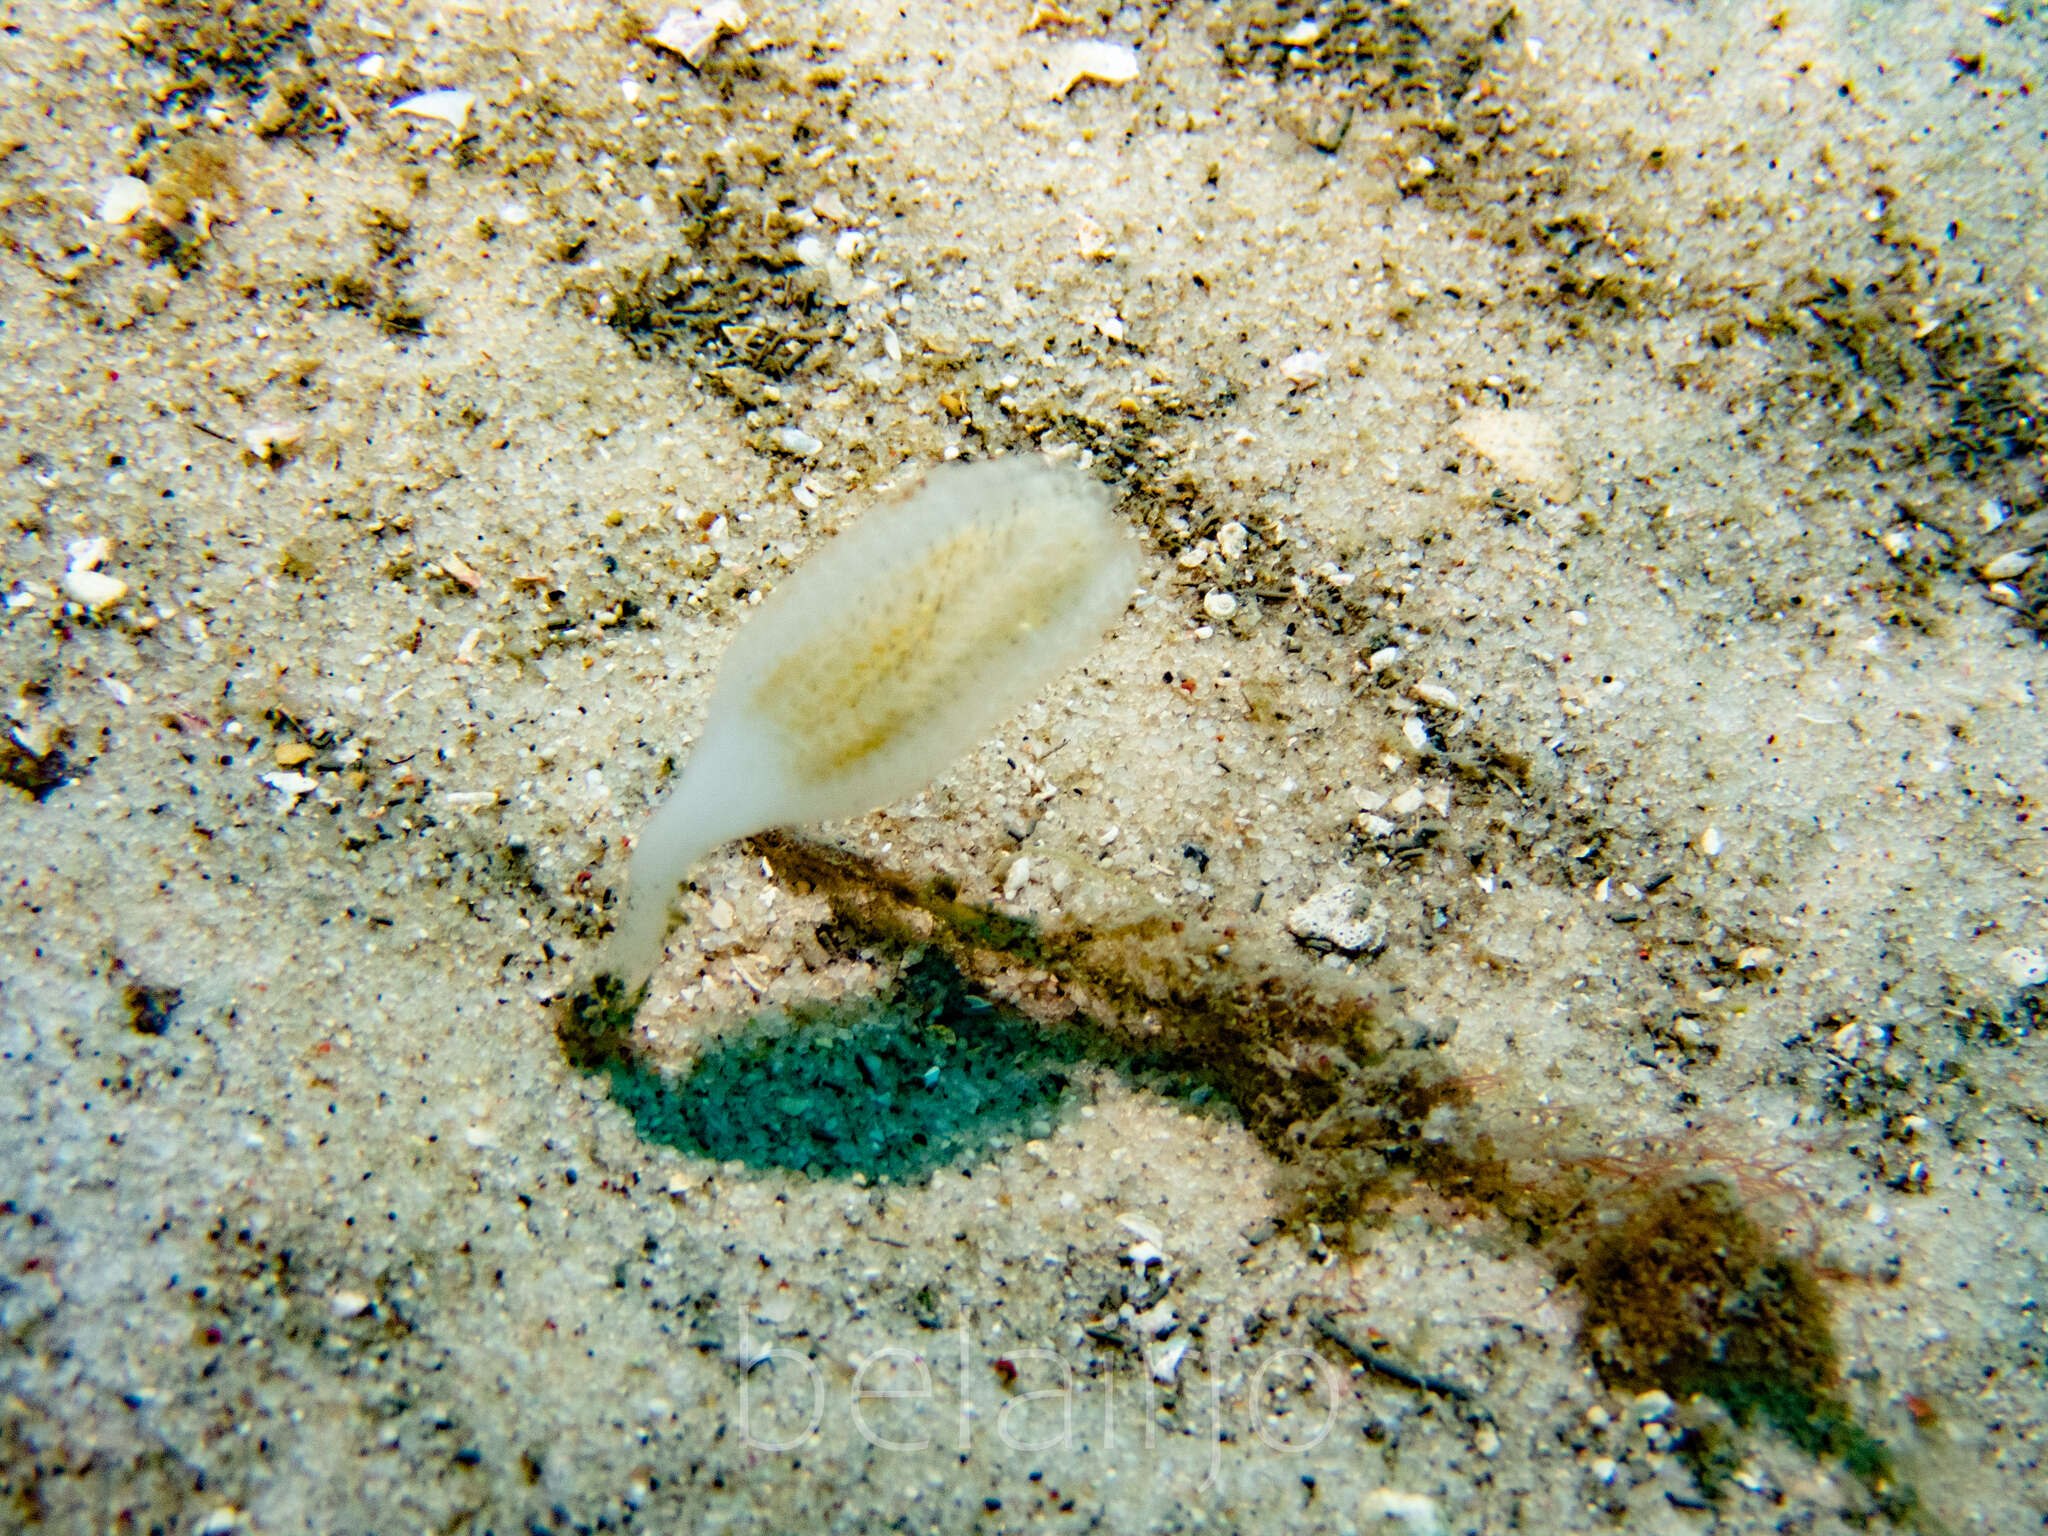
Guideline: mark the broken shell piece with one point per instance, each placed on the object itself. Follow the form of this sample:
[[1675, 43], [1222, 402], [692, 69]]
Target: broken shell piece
[[1341, 917], [93, 589], [1525, 445], [125, 197], [2006, 566], [1108, 63], [2024, 966], [693, 34], [1304, 368], [1231, 540], [450, 107], [273, 441], [86, 554]]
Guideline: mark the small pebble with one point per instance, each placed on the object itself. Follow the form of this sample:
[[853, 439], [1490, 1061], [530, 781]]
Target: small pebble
[[1433, 693], [1341, 916], [1304, 368], [347, 1304], [125, 197], [450, 107], [2006, 566], [797, 441], [1652, 1405], [1416, 732], [93, 589], [693, 34], [1710, 842], [1527, 447], [1107, 63], [721, 914], [1166, 1365], [1604, 1468], [2024, 966], [1018, 877]]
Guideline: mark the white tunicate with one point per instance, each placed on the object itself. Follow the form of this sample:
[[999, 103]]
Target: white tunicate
[[887, 655]]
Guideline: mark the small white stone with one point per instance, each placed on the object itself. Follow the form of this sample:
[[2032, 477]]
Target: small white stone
[[1406, 803], [1652, 1405], [273, 440], [1416, 1511], [86, 554], [1108, 63], [797, 441], [1166, 1364], [1231, 542], [1219, 605], [347, 1304], [1754, 956], [1416, 732], [693, 34], [1384, 657], [1438, 798], [810, 250], [2008, 565], [1158, 1322], [291, 785], [1710, 842], [721, 914], [93, 589], [1433, 693], [1528, 447], [1604, 1468], [2024, 966], [1341, 916], [1304, 368], [124, 197], [1018, 877], [479, 1136], [450, 107]]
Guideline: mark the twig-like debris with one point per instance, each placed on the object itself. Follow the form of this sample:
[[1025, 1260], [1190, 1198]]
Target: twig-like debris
[[1393, 1370]]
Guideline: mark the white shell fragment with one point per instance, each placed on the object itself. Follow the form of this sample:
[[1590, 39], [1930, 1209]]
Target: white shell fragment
[[1231, 540], [693, 34], [1107, 63], [93, 589], [887, 655], [291, 785], [1341, 916], [450, 107], [2008, 565], [1416, 1512], [1526, 446], [1305, 368], [125, 197], [1219, 605], [2024, 966], [273, 440]]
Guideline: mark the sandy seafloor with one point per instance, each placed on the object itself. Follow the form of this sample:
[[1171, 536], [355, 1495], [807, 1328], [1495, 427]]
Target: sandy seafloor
[[1679, 734]]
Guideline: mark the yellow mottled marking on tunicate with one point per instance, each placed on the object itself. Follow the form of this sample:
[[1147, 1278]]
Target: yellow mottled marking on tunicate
[[977, 594]]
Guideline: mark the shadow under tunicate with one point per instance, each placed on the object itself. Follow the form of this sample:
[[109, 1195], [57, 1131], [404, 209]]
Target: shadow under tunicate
[[893, 1086]]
